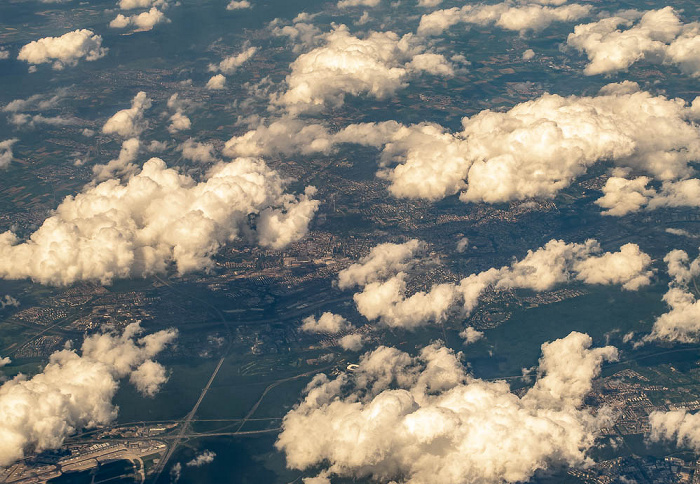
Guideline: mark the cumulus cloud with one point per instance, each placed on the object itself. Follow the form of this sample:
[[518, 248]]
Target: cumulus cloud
[[216, 83], [535, 149], [383, 279], [383, 260], [206, 457], [132, 4], [65, 50], [682, 322], [358, 3], [179, 122], [425, 419], [677, 426], [75, 391], [195, 151], [238, 5], [351, 342], [129, 122], [301, 31], [327, 323], [122, 165], [143, 21], [6, 152], [471, 335], [4, 53], [8, 301], [377, 65], [520, 16], [157, 217], [622, 196], [231, 63], [615, 43]]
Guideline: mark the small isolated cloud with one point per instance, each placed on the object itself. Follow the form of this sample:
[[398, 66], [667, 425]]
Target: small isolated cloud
[[231, 63], [155, 218], [422, 419], [677, 426], [6, 152], [8, 302], [351, 342], [509, 15], [4, 53], [143, 21], [529, 54], [132, 4], [238, 5], [75, 391], [129, 122], [358, 3], [65, 50], [200, 152], [206, 457], [615, 43], [471, 335], [122, 165], [327, 323], [377, 65], [622, 196], [216, 82]]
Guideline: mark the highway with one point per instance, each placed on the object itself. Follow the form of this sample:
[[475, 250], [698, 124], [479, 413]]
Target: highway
[[185, 424]]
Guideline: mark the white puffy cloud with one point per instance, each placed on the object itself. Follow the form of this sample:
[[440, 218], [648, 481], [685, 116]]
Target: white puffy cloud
[[6, 152], [429, 3], [615, 43], [351, 342], [122, 165], [520, 16], [426, 420], [4, 53], [382, 279], [8, 301], [377, 65], [195, 151], [535, 149], [5, 361], [158, 216], [143, 21], [383, 260], [302, 31], [179, 122], [678, 426], [65, 50], [129, 122], [528, 54], [216, 83], [75, 391], [288, 221], [231, 63], [327, 323], [471, 335], [622, 196], [206, 457], [682, 322], [238, 5], [132, 4], [358, 3]]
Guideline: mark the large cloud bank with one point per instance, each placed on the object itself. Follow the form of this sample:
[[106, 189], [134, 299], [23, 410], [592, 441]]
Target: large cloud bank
[[520, 16], [158, 216], [75, 391], [615, 43], [382, 279], [425, 420], [534, 149], [65, 50], [682, 322], [377, 65]]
